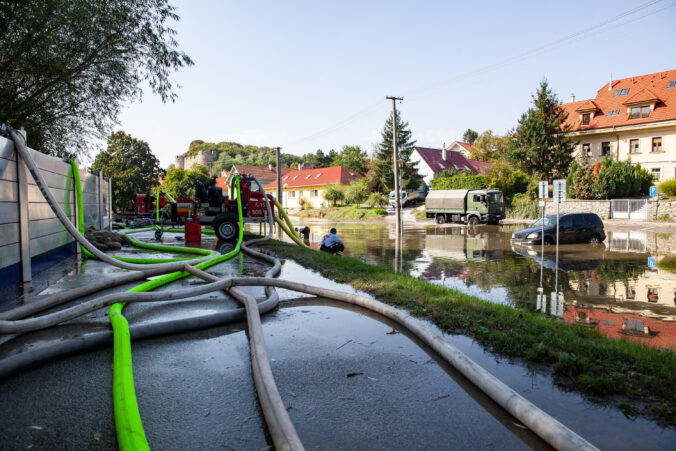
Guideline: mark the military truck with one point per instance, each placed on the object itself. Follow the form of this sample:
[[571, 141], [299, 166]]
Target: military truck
[[469, 206]]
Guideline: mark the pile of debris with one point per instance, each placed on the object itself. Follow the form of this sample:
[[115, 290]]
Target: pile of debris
[[106, 241]]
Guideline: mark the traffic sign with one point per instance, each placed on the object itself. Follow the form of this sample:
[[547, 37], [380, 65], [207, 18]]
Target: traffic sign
[[559, 190], [653, 191], [651, 262], [543, 189]]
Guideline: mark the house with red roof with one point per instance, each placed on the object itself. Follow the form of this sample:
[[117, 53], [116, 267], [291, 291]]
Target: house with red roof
[[632, 118], [461, 147], [310, 184], [430, 161]]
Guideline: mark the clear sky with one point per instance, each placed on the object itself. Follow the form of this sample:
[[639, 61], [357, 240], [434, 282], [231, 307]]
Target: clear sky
[[308, 75]]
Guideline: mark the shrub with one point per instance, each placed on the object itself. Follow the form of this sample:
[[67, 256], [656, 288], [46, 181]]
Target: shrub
[[608, 179], [523, 207], [305, 204], [377, 200], [461, 182], [379, 212], [668, 187]]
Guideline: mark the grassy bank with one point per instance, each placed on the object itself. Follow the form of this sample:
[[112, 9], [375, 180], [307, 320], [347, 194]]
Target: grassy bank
[[342, 212], [639, 380]]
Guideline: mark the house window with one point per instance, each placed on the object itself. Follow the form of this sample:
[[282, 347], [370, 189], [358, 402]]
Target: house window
[[612, 113], [631, 292], [308, 176], [585, 118], [621, 92], [300, 194], [634, 324], [292, 194], [639, 111], [657, 144], [294, 177], [441, 165], [586, 150], [657, 173], [671, 84], [318, 175], [653, 294], [633, 146], [284, 179], [605, 148], [314, 193]]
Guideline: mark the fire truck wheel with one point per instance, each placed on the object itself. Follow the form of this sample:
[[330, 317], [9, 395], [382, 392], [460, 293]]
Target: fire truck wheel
[[225, 228]]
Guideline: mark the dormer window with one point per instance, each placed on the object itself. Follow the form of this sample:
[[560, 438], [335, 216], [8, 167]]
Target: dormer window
[[639, 111], [671, 84], [586, 117], [621, 92]]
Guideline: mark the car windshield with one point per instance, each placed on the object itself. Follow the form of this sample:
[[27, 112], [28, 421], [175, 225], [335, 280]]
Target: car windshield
[[550, 221], [494, 198]]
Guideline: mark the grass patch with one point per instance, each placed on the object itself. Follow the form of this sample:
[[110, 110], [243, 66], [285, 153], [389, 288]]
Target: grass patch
[[641, 378], [668, 263], [663, 218], [343, 212]]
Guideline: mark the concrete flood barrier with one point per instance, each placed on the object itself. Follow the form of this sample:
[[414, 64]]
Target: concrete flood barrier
[[32, 238]]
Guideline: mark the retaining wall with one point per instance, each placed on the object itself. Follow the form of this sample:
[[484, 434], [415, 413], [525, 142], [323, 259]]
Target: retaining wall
[[31, 236], [602, 207]]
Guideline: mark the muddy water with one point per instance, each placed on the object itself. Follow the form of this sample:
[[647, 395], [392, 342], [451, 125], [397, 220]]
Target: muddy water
[[623, 288]]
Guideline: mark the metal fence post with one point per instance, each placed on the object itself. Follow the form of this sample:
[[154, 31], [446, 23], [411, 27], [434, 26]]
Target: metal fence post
[[100, 199], [78, 251], [22, 180], [110, 204]]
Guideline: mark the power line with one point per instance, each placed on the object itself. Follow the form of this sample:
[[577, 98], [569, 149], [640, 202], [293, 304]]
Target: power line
[[585, 33]]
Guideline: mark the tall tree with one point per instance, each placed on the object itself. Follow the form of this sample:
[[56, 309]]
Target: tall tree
[[353, 158], [469, 136], [131, 165], [540, 145], [181, 183], [489, 147], [67, 66], [383, 167]]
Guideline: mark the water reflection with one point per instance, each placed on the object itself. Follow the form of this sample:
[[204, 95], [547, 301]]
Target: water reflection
[[608, 287]]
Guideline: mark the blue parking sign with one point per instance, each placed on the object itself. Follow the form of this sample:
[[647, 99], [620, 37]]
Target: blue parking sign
[[653, 191], [651, 262]]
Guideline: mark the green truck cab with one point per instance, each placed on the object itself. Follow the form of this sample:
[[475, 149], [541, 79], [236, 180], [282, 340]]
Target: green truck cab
[[469, 206]]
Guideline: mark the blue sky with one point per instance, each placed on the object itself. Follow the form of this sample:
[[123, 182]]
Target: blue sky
[[308, 75]]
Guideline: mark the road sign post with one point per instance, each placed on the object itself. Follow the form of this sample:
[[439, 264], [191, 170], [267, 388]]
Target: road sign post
[[543, 193]]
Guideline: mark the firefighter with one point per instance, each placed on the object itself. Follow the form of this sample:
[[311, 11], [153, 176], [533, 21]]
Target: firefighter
[[303, 230], [332, 244]]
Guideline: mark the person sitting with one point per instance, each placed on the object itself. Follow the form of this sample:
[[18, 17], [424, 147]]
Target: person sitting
[[303, 230], [331, 243]]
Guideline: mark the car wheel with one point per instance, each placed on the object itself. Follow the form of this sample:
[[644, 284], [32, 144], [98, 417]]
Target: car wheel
[[595, 239], [225, 228], [548, 241], [473, 220], [441, 219]]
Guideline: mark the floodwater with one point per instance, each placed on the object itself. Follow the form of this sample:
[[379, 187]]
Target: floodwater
[[623, 288]]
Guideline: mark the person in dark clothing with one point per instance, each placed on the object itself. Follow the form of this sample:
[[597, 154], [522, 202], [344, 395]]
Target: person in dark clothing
[[332, 244], [305, 231]]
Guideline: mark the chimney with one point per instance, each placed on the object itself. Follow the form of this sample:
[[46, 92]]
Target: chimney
[[443, 154], [300, 166], [270, 167], [610, 85], [572, 97]]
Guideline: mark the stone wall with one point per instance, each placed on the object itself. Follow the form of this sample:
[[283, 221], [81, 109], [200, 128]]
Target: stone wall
[[656, 208], [600, 207], [206, 158]]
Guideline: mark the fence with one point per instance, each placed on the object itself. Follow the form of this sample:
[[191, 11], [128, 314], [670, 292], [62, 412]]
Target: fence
[[31, 236], [629, 209]]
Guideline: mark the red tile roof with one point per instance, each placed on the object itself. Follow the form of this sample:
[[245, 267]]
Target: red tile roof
[[484, 167], [645, 88], [465, 146], [262, 173], [586, 105], [313, 177], [454, 160]]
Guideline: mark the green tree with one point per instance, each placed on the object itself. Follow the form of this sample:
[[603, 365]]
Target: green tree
[[334, 194], [181, 183], [540, 145], [67, 66], [131, 165], [383, 167], [489, 147], [469, 136], [356, 193], [352, 158]]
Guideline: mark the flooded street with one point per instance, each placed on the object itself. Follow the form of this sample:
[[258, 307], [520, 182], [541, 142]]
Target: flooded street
[[624, 288]]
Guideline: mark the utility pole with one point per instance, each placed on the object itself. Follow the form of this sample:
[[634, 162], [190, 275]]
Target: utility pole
[[279, 175], [397, 188]]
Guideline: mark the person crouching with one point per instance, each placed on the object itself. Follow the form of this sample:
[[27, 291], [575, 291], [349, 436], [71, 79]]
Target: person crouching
[[332, 244]]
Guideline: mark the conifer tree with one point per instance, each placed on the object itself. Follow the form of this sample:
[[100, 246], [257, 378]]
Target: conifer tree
[[540, 145], [383, 167]]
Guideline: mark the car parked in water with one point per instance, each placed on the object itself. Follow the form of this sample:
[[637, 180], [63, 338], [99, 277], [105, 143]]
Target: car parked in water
[[573, 228]]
